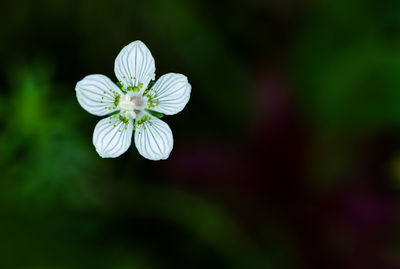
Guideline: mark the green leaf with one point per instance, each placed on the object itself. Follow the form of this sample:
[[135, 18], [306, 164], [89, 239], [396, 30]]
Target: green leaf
[[113, 113], [155, 113], [151, 84], [119, 84]]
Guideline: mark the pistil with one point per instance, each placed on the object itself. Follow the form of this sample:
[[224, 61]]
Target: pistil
[[130, 106]]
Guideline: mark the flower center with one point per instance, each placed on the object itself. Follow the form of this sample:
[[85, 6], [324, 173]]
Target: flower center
[[131, 105]]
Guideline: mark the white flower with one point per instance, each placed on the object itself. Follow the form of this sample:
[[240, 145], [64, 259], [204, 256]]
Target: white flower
[[129, 107], [152, 75]]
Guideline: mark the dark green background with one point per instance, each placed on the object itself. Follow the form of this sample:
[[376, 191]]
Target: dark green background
[[286, 156]]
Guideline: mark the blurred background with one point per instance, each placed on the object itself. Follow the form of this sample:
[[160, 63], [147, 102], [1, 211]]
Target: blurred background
[[286, 156]]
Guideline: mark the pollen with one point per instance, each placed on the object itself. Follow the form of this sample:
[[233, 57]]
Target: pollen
[[141, 121], [116, 100], [133, 89], [124, 119], [151, 98]]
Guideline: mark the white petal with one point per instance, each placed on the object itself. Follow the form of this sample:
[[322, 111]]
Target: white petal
[[153, 139], [134, 65], [172, 93], [96, 94], [112, 137]]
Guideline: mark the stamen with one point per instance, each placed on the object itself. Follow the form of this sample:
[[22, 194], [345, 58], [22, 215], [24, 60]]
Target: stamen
[[151, 98], [133, 89], [124, 119], [141, 121]]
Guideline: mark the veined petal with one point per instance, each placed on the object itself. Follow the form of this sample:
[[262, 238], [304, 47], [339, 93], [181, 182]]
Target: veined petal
[[97, 94], [170, 94], [112, 136], [153, 139], [134, 65]]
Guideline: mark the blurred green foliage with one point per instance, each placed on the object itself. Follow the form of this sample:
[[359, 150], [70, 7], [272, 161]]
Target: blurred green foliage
[[57, 204], [61, 205], [346, 67], [348, 64]]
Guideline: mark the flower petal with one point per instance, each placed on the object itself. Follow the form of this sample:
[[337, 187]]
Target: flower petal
[[134, 65], [112, 137], [172, 93], [154, 140], [96, 94]]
